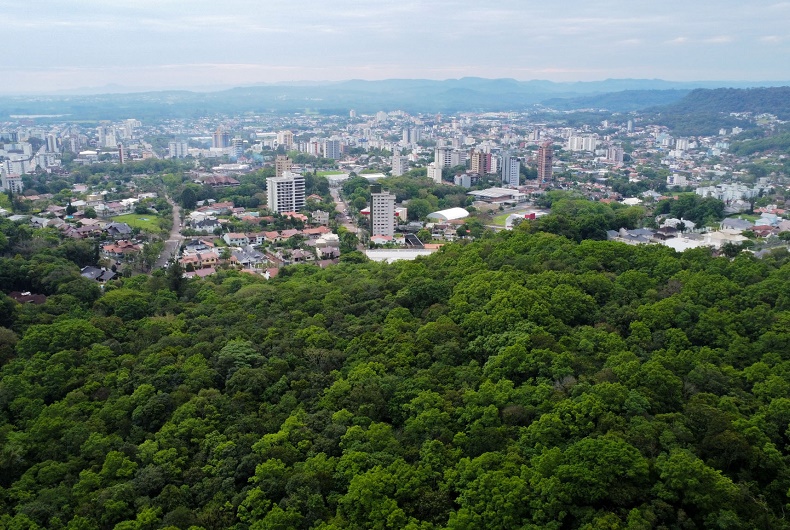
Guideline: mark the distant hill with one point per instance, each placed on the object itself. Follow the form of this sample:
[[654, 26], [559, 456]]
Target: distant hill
[[624, 101], [773, 100], [410, 95], [705, 111]]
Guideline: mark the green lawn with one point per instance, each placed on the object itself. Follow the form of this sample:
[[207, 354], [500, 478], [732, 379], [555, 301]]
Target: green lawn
[[326, 173], [147, 222], [500, 219]]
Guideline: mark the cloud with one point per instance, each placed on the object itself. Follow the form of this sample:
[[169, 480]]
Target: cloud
[[772, 39], [678, 40], [719, 39]]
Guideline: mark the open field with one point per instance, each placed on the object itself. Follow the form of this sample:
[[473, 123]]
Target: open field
[[147, 222]]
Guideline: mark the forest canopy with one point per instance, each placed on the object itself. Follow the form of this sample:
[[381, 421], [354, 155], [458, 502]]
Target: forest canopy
[[524, 380]]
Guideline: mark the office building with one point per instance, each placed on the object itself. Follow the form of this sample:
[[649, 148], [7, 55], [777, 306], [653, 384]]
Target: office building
[[382, 212], [286, 193], [121, 154], [400, 165], [545, 162], [511, 168], [282, 164]]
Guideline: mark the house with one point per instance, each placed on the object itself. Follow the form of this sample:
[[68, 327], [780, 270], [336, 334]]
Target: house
[[220, 181], [236, 239], [630, 237], [296, 215], [764, 230], [249, 258], [272, 236], [200, 260], [27, 297], [380, 240], [200, 273], [94, 273], [118, 230], [315, 233], [724, 236], [300, 256], [733, 223], [206, 226], [120, 249], [319, 217], [325, 253], [286, 234], [197, 245]]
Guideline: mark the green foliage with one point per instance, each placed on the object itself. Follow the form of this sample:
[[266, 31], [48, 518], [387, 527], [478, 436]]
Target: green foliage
[[521, 380]]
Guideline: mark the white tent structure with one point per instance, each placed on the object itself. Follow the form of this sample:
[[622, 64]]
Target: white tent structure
[[450, 214]]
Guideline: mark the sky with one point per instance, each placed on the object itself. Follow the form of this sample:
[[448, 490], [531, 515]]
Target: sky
[[51, 46]]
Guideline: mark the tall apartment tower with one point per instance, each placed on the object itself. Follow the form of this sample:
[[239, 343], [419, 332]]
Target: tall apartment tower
[[52, 143], [481, 162], [435, 172], [332, 149], [286, 139], [400, 164], [382, 212], [545, 162], [238, 146], [286, 193], [221, 138], [282, 164], [511, 169], [177, 149], [442, 157]]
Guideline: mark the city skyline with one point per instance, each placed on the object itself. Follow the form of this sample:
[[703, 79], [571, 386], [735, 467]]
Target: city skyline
[[153, 45]]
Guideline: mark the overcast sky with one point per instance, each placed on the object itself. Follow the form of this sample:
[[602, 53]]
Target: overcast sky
[[52, 45]]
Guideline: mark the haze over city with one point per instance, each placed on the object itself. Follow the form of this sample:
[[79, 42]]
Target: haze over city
[[151, 45]]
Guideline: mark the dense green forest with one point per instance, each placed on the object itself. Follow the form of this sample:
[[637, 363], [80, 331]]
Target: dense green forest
[[518, 381], [705, 111]]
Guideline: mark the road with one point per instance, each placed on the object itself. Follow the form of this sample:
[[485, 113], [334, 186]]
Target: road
[[341, 207], [175, 239]]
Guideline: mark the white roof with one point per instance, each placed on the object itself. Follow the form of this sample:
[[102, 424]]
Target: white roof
[[449, 214], [390, 255]]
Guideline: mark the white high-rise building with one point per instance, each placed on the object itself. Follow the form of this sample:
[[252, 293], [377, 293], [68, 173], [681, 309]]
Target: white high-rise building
[[615, 155], [286, 193], [12, 182], [435, 173], [582, 143], [286, 139], [177, 149], [400, 165], [510, 170], [382, 212]]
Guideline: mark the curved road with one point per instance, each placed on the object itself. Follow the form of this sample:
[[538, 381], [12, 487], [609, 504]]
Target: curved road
[[174, 241]]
